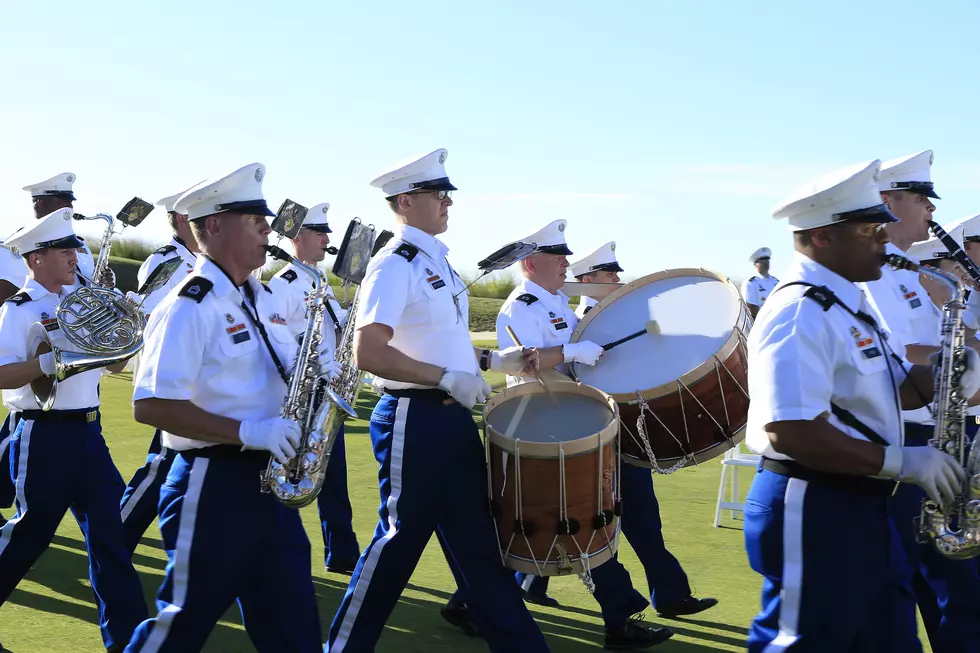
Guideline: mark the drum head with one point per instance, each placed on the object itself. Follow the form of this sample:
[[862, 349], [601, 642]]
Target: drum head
[[526, 413], [696, 313]]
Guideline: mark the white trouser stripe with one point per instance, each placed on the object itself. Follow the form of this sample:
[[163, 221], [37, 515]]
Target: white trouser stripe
[[25, 444], [791, 595], [141, 489], [182, 556], [395, 474]]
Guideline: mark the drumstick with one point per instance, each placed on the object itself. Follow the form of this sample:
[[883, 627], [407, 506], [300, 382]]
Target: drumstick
[[537, 375], [652, 327]]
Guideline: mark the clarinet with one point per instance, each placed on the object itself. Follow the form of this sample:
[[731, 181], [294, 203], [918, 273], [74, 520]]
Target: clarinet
[[959, 255]]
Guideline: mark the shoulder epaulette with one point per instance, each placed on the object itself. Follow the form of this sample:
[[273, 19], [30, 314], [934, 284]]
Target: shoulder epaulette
[[407, 250], [166, 249], [753, 278], [267, 288], [196, 288], [19, 298], [527, 298], [587, 309], [288, 275], [775, 279]]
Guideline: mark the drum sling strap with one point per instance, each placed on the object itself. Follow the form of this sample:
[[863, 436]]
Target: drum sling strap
[[827, 299]]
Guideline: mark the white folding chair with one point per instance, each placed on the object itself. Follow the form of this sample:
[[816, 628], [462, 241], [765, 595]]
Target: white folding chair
[[734, 458]]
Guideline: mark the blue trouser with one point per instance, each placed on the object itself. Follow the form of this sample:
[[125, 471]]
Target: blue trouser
[[226, 540], [138, 507], [6, 479], [828, 555], [60, 463], [333, 504], [433, 478], [643, 529], [947, 592]]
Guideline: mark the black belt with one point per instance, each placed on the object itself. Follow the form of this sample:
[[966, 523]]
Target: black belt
[[227, 452], [862, 484], [85, 415], [434, 394]]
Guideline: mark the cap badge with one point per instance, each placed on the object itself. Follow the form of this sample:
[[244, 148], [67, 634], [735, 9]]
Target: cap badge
[[561, 227], [70, 178], [442, 158], [931, 157], [612, 247], [324, 209], [258, 174]]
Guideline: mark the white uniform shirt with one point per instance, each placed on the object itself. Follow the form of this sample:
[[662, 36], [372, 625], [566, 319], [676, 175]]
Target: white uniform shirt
[[175, 248], [410, 289], [756, 289], [585, 305], [293, 287], [202, 347], [802, 358], [538, 318], [903, 309], [13, 269], [17, 315]]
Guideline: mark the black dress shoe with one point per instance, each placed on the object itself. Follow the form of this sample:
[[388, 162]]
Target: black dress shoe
[[342, 566], [458, 614], [546, 601], [634, 635], [690, 605]]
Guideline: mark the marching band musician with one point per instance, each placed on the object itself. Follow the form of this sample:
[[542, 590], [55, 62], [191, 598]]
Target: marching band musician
[[413, 334], [756, 288], [600, 266], [60, 459], [340, 548], [213, 379], [538, 312], [946, 592], [56, 193], [138, 507], [826, 394]]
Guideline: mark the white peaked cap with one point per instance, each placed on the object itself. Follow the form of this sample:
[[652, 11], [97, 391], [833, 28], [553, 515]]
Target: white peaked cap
[[912, 173], [53, 230], [240, 191], [316, 219], [969, 230], [57, 185], [424, 172], [846, 195], [550, 239], [169, 201], [603, 258], [762, 252], [928, 250]]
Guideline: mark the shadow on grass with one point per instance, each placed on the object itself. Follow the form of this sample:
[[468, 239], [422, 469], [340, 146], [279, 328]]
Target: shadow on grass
[[415, 625]]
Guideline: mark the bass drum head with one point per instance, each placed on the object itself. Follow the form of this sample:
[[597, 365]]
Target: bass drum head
[[696, 312]]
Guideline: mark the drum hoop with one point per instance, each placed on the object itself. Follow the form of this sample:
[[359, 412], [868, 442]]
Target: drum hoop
[[551, 450], [739, 331]]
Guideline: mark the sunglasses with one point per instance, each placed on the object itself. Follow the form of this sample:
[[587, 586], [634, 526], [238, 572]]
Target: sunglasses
[[440, 194]]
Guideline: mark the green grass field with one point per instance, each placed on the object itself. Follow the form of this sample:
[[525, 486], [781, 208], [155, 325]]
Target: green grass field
[[53, 609]]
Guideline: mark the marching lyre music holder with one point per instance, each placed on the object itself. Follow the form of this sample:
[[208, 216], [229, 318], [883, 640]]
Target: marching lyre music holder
[[289, 219]]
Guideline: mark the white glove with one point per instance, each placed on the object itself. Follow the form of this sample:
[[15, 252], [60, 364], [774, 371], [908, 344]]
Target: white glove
[[508, 361], [936, 472], [971, 315], [329, 367], [276, 435], [970, 381], [584, 352], [971, 376], [47, 363], [467, 389]]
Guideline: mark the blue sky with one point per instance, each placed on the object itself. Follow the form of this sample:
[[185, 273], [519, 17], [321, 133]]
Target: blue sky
[[671, 128]]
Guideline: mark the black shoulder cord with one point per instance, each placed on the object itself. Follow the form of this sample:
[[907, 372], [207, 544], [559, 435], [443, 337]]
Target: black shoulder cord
[[827, 299]]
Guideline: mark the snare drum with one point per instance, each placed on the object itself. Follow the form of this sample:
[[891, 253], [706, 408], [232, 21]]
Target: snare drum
[[553, 477], [682, 388]]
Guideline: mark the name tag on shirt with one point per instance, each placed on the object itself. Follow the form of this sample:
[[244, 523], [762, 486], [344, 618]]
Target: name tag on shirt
[[436, 282], [559, 323], [871, 352], [238, 333]]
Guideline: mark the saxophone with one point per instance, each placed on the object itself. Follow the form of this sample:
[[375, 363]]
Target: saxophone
[[100, 274], [310, 401], [953, 529]]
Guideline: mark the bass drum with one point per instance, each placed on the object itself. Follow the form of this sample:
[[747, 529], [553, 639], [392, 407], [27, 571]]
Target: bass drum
[[682, 387]]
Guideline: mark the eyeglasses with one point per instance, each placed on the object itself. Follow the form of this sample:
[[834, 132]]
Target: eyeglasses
[[440, 194], [870, 229]]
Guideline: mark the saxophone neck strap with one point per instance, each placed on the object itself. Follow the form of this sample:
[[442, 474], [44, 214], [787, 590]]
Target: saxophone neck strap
[[333, 315], [257, 323]]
